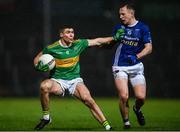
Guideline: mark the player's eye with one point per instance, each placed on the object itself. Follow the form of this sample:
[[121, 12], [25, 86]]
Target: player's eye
[[67, 32]]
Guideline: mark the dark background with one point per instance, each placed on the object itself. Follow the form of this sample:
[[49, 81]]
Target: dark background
[[26, 26]]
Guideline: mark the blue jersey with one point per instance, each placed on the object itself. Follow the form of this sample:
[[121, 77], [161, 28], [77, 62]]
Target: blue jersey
[[132, 43]]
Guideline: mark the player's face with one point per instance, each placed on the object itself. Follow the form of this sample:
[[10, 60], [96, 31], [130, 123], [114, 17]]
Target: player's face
[[126, 15], [68, 35]]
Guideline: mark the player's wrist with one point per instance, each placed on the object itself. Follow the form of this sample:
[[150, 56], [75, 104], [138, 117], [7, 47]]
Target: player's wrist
[[137, 57], [36, 67], [114, 38], [40, 67]]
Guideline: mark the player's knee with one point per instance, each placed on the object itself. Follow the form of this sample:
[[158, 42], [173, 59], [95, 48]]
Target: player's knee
[[124, 98], [89, 101], [140, 99], [45, 86]]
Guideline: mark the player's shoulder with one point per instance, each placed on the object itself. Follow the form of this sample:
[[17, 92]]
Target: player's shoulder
[[79, 41], [53, 45], [118, 26], [142, 25]]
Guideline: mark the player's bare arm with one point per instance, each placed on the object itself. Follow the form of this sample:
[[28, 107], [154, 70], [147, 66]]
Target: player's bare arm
[[36, 59], [146, 51], [100, 41]]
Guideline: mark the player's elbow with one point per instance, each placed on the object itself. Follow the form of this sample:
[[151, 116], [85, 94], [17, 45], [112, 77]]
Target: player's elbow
[[149, 48], [35, 61], [36, 58]]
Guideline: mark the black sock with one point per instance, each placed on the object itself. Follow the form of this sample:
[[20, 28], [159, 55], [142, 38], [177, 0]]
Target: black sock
[[125, 120]]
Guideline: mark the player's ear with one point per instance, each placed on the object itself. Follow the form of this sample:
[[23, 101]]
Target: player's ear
[[132, 12], [61, 35]]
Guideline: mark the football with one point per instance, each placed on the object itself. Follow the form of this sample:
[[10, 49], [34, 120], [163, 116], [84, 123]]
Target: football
[[48, 59]]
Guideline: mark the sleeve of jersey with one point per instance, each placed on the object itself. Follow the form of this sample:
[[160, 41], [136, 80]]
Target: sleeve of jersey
[[83, 43], [115, 29], [45, 51], [146, 35]]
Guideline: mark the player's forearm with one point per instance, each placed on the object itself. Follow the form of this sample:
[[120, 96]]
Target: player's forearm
[[100, 41], [36, 59], [146, 51], [106, 40]]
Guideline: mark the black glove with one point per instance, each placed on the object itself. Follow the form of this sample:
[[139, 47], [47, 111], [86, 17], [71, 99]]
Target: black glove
[[132, 59]]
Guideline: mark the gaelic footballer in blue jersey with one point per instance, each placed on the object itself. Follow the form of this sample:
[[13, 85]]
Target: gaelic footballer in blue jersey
[[135, 38], [133, 44]]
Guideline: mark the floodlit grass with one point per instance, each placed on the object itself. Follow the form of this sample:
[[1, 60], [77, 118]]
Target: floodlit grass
[[68, 114]]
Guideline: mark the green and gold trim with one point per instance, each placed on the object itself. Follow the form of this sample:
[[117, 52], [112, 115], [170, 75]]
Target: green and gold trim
[[67, 62]]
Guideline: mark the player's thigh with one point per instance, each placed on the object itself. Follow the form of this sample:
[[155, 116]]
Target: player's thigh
[[139, 86], [82, 92], [140, 91], [121, 81], [122, 87], [56, 88], [46, 85]]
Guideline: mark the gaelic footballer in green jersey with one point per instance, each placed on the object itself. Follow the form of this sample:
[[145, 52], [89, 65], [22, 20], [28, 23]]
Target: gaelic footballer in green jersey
[[66, 74]]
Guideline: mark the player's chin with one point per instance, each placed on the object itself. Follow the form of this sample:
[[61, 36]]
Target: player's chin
[[71, 40], [124, 22]]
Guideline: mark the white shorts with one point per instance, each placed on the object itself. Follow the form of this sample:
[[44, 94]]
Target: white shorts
[[69, 85], [134, 73]]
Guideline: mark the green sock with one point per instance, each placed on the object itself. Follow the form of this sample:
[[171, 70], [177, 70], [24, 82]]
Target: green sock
[[106, 125], [45, 112]]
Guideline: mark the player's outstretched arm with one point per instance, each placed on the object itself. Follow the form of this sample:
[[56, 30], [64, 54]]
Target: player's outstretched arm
[[100, 41]]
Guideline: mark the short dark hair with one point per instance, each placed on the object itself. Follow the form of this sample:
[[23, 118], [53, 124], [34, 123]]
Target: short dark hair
[[61, 29], [129, 3]]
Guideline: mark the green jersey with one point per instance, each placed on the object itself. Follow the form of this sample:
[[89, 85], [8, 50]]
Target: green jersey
[[66, 58]]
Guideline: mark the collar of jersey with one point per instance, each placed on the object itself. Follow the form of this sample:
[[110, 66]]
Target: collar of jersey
[[64, 46], [132, 25]]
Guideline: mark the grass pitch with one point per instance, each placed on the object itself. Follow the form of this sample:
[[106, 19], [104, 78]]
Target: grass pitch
[[71, 115]]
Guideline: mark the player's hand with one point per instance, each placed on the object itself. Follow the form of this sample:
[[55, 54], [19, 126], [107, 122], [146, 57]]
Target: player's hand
[[119, 34], [132, 59], [41, 67]]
